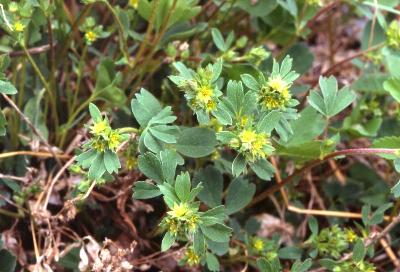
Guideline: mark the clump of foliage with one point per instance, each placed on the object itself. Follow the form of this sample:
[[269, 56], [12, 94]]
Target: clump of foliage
[[199, 134]]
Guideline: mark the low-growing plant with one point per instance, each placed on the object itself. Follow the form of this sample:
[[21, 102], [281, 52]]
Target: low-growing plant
[[142, 135]]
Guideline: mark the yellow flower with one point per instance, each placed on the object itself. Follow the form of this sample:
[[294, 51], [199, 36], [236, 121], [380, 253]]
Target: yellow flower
[[134, 3], [243, 121], [204, 94], [191, 257], [100, 127], [247, 137], [253, 143], [277, 83], [179, 210], [18, 26], [90, 36], [258, 146], [351, 236], [258, 244], [211, 105], [274, 99], [131, 163], [114, 140], [192, 222], [99, 145], [393, 34], [172, 225]]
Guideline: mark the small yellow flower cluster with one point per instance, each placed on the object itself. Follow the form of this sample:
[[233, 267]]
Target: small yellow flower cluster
[[200, 93], [275, 95], [351, 235], [191, 258], [257, 55], [18, 26], [90, 36], [252, 144], [314, 2], [104, 137], [258, 244], [181, 219], [13, 7], [134, 3], [393, 35]]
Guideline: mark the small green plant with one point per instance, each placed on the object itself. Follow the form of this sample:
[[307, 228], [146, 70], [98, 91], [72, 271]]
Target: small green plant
[[199, 135]]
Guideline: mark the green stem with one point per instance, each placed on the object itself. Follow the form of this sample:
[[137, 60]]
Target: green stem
[[45, 84], [128, 130], [123, 44]]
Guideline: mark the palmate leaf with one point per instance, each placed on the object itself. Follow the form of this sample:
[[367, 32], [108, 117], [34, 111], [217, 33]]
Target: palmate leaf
[[239, 194], [144, 107], [332, 101], [212, 182], [196, 142], [145, 190]]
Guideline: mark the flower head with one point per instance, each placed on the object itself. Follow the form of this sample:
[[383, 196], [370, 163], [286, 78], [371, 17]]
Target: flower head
[[90, 36], [18, 26], [258, 244], [134, 3], [180, 210], [100, 128], [393, 35], [191, 257], [254, 145], [114, 140]]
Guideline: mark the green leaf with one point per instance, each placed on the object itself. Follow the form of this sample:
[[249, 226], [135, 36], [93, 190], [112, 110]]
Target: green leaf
[[8, 261], [263, 169], [144, 107], [313, 225], [259, 8], [167, 241], [196, 142], [169, 194], [393, 87], [3, 123], [169, 162], [299, 266], [269, 121], [218, 39], [152, 143], [217, 232], [7, 88], [199, 244], [212, 262], [250, 82], [387, 142], [238, 165], [107, 80], [307, 127], [95, 113], [302, 57], [163, 133], [97, 167], [145, 190], [239, 194], [111, 161], [182, 186], [395, 190], [212, 182], [328, 263], [359, 251], [264, 265], [290, 253], [332, 101], [150, 166]]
